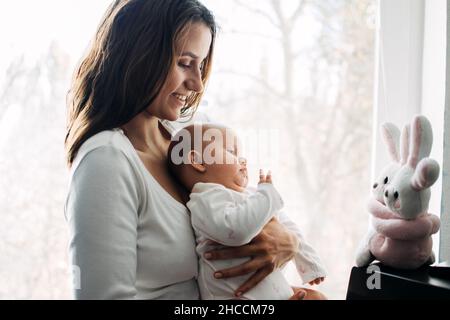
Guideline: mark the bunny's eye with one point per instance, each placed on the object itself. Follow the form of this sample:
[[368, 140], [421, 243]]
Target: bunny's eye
[[396, 195], [375, 185], [386, 180]]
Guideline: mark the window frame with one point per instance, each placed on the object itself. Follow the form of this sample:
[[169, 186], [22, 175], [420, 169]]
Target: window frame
[[444, 253], [410, 78]]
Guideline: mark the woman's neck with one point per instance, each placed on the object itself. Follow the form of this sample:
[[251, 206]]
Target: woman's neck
[[148, 136]]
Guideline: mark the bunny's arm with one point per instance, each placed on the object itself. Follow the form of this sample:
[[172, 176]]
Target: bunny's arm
[[379, 210], [401, 229], [436, 223], [393, 226]]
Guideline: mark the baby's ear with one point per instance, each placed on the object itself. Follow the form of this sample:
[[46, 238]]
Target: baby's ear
[[195, 160], [425, 175]]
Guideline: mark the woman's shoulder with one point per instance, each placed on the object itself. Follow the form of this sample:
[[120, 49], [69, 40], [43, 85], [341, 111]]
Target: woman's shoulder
[[105, 147], [113, 138]]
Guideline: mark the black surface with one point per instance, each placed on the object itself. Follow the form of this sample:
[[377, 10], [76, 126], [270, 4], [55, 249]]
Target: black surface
[[426, 282]]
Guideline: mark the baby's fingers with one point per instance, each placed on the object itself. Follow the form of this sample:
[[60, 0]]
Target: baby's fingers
[[262, 176], [269, 177], [265, 178]]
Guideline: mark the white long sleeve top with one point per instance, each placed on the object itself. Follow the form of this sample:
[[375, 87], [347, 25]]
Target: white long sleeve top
[[129, 238], [232, 219]]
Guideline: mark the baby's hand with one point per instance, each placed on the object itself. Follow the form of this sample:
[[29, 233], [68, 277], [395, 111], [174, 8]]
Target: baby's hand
[[317, 281], [265, 178]]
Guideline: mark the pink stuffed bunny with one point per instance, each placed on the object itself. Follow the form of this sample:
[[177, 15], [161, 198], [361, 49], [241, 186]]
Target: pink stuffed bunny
[[401, 228]]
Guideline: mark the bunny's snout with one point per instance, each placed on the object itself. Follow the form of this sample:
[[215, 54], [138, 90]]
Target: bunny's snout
[[391, 198], [393, 193]]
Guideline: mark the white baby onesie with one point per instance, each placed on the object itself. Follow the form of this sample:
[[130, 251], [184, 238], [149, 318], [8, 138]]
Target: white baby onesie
[[233, 218]]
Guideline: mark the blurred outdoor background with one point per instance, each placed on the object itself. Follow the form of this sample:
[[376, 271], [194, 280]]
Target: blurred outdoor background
[[294, 76]]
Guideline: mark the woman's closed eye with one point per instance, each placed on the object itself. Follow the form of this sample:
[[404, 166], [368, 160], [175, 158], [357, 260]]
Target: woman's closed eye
[[183, 65]]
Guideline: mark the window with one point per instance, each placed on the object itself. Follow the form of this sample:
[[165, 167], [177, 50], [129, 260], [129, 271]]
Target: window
[[37, 61], [296, 77], [411, 66], [301, 72]]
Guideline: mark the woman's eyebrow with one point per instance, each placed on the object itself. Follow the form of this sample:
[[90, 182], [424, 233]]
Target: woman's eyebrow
[[190, 54]]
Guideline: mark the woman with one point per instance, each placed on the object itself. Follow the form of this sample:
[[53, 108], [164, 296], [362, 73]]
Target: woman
[[130, 234]]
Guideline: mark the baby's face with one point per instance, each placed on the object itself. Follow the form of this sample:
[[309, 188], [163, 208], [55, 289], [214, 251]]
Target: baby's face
[[229, 168]]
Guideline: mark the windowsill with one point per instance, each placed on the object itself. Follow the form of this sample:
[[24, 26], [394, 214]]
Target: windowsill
[[423, 283]]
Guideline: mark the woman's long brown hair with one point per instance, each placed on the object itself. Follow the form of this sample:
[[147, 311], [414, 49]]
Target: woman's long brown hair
[[127, 65]]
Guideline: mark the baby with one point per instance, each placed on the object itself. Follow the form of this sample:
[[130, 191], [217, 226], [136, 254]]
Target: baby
[[205, 159]]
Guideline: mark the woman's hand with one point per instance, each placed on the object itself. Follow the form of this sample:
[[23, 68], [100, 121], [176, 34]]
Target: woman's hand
[[299, 294], [271, 249], [307, 294]]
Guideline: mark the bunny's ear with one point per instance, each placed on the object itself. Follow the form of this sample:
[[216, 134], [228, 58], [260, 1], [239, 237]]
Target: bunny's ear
[[404, 143], [421, 140], [426, 173], [391, 136]]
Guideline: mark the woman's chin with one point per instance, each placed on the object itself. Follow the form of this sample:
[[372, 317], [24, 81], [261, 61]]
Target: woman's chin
[[172, 116]]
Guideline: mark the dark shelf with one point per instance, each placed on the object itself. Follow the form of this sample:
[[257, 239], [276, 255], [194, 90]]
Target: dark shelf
[[426, 282]]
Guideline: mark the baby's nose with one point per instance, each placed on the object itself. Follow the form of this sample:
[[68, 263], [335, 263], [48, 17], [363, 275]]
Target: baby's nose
[[242, 161]]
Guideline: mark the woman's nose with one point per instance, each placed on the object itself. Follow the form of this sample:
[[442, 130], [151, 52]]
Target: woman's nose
[[195, 82]]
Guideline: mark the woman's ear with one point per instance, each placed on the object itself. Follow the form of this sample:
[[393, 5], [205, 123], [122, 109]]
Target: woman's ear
[[195, 160]]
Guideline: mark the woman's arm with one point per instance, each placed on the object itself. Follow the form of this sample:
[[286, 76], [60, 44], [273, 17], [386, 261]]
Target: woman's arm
[[101, 210], [270, 249]]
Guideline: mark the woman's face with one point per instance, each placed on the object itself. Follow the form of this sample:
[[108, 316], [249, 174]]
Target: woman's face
[[186, 76]]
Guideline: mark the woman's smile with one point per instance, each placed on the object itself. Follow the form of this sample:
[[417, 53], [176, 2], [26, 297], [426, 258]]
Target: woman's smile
[[179, 99], [180, 96]]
